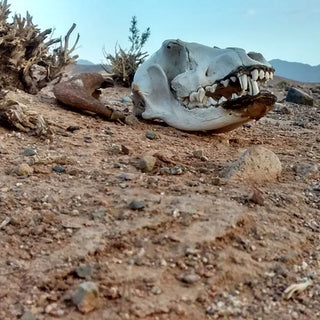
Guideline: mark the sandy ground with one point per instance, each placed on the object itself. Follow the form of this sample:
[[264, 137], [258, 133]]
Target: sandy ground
[[201, 248]]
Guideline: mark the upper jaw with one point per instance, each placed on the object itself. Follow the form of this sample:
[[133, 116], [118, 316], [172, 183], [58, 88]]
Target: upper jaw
[[240, 82]]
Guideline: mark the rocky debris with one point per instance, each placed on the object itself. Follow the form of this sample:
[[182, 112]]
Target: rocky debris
[[136, 205], [146, 163], [23, 169], [116, 149], [86, 297], [176, 170], [306, 170], [78, 92], [84, 271], [298, 96], [255, 164]]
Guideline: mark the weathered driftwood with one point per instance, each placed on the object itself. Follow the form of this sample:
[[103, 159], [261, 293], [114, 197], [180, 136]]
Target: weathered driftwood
[[26, 59]]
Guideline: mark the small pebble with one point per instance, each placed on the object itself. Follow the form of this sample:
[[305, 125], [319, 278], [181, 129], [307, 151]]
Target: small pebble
[[125, 176], [177, 170], [84, 271], [73, 128], [58, 169], [29, 152], [190, 278], [146, 163], [156, 290], [86, 297], [198, 153], [152, 135], [136, 205]]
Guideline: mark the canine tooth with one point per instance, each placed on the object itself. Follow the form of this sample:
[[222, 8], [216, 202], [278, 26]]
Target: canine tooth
[[261, 74], [222, 99], [201, 94], [234, 96], [255, 88], [255, 74], [225, 83], [271, 75], [193, 96], [267, 75], [233, 79], [243, 78]]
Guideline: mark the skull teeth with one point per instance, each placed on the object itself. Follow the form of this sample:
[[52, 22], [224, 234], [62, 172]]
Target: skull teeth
[[212, 96]]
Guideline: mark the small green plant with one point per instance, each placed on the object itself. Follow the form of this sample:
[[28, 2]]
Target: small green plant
[[125, 62]]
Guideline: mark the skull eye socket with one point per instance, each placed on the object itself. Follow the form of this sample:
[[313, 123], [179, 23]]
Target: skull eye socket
[[168, 47]]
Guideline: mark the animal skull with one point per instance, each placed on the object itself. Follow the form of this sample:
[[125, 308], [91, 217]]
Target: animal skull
[[195, 87]]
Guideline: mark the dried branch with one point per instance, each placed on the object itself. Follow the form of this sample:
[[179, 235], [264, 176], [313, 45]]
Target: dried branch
[[26, 59]]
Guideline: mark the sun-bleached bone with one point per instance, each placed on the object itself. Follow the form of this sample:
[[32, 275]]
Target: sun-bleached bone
[[195, 87]]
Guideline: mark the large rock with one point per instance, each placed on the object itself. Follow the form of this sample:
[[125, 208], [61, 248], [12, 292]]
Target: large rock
[[298, 96], [255, 164]]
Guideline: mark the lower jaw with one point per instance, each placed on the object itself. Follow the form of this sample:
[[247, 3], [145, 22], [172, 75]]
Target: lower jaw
[[226, 117], [253, 107]]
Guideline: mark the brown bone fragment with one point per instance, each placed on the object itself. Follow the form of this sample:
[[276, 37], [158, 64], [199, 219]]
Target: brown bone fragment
[[79, 90]]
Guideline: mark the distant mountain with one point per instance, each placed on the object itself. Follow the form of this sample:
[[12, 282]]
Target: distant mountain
[[84, 62], [296, 71]]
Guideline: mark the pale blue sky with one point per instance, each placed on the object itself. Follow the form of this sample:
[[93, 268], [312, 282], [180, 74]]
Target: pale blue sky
[[284, 29]]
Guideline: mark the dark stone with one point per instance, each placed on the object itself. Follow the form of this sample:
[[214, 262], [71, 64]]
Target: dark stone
[[136, 205], [84, 271], [29, 152], [298, 96], [73, 128], [152, 135], [58, 169]]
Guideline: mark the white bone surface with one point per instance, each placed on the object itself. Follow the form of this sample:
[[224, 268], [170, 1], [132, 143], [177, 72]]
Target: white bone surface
[[180, 83]]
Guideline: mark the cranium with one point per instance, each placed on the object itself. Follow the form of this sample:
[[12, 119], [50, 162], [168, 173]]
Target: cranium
[[195, 87]]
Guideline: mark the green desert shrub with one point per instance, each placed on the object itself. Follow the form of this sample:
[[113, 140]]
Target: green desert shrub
[[124, 62]]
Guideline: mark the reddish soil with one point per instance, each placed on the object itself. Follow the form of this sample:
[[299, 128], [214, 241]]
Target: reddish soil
[[203, 247]]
